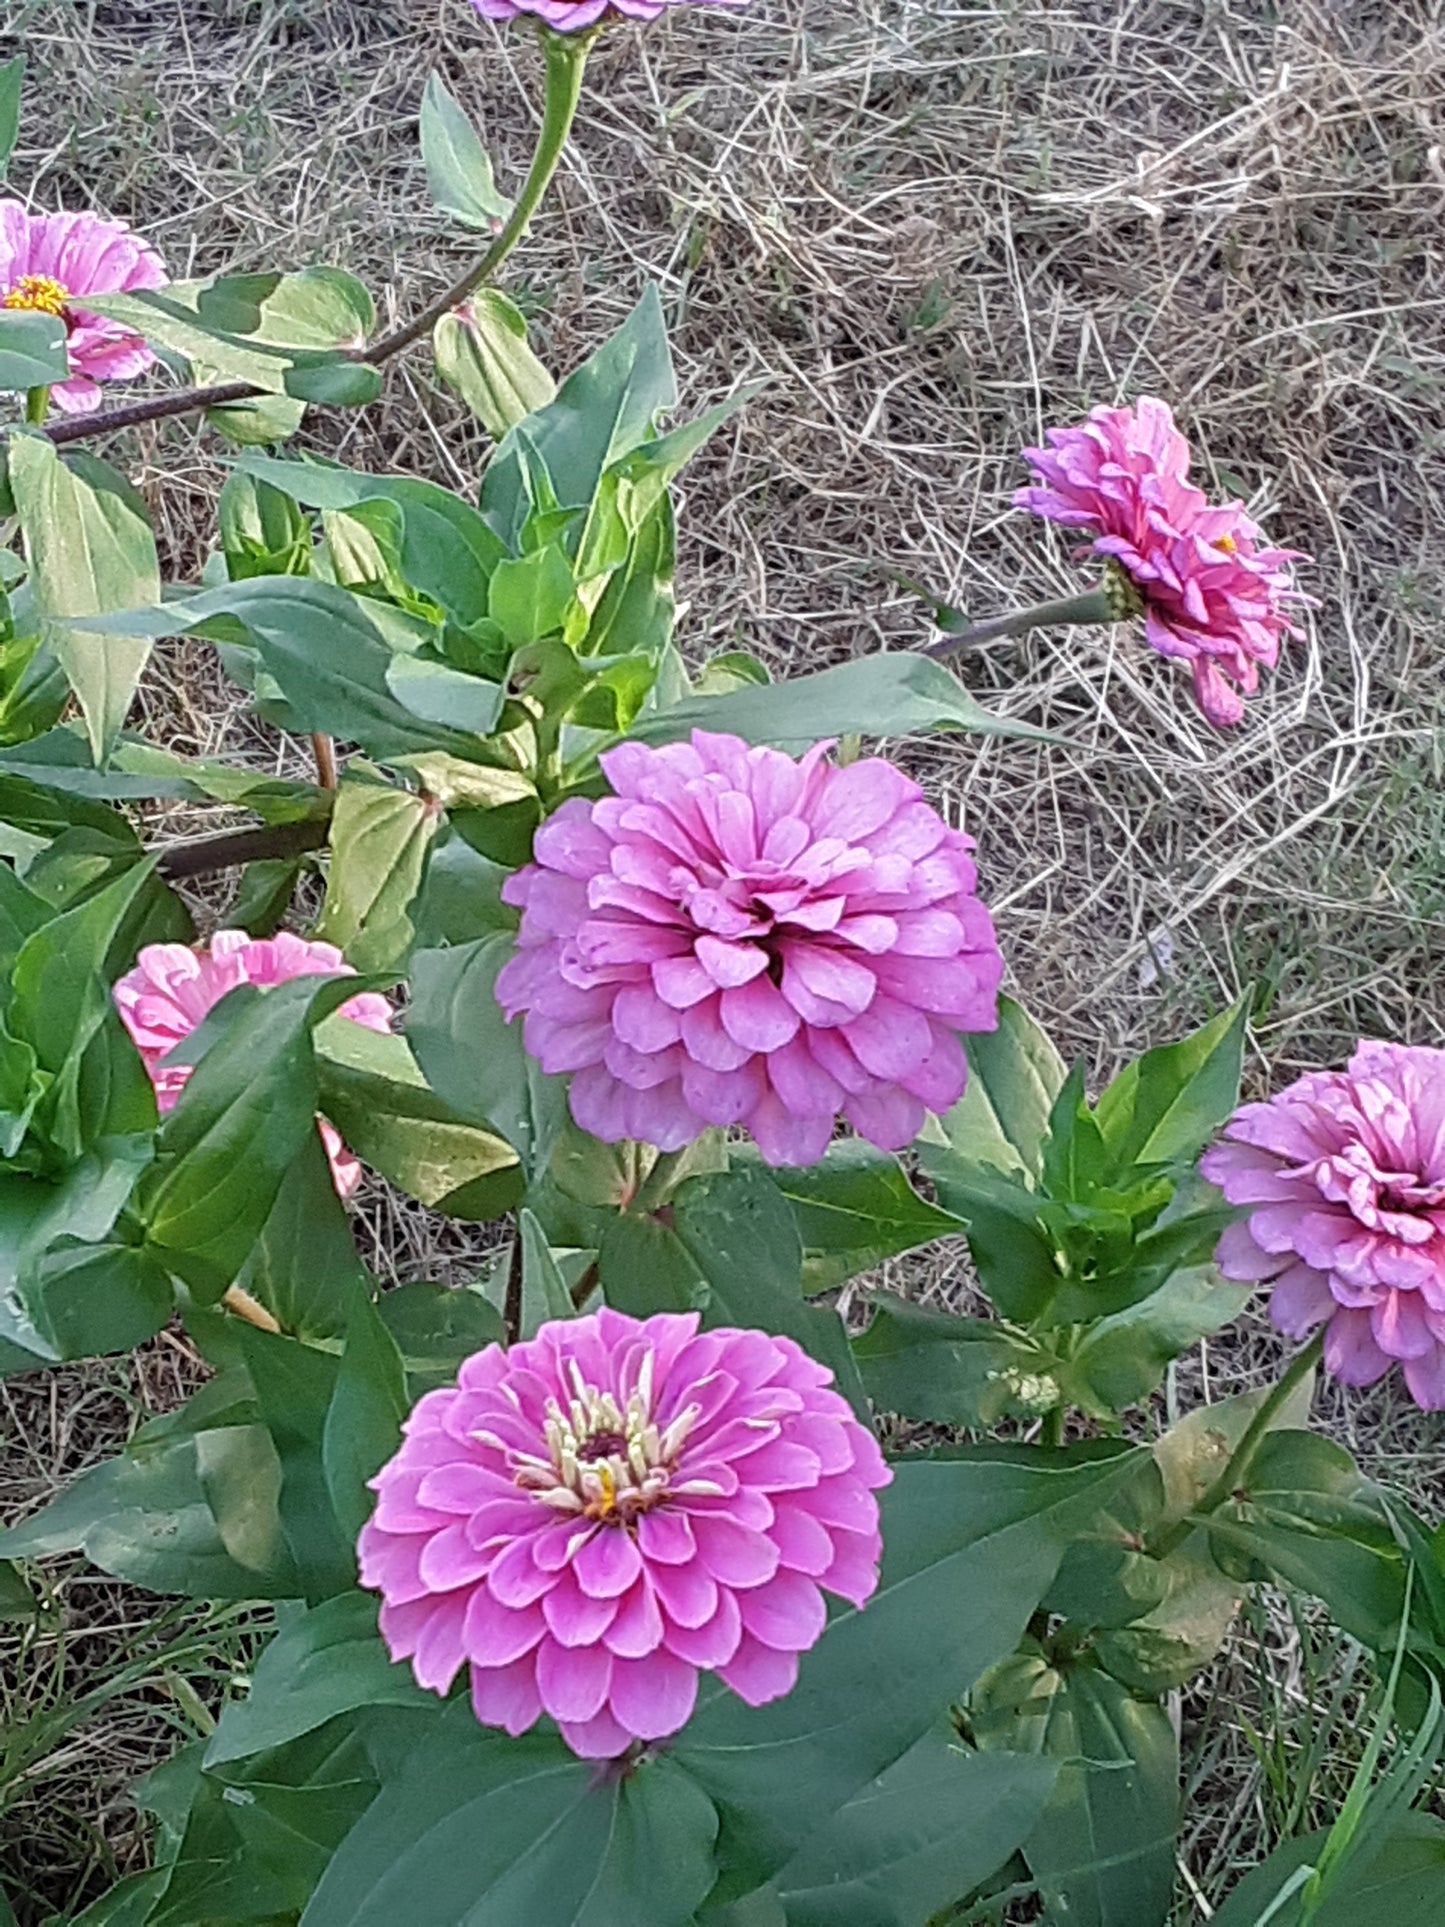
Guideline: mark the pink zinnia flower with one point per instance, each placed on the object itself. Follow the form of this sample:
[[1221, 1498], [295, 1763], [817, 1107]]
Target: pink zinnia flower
[[570, 16], [1346, 1174], [596, 1515], [1210, 593], [739, 937], [171, 989], [50, 262]]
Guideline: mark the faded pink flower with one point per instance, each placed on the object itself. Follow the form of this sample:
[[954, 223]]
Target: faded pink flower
[[50, 262], [739, 937], [1346, 1174], [1211, 595], [596, 1515], [570, 16], [164, 998]]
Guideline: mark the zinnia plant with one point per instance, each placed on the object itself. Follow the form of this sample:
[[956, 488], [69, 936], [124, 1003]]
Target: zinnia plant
[[49, 263], [592, 1517], [656, 1554], [736, 937], [1343, 1175]]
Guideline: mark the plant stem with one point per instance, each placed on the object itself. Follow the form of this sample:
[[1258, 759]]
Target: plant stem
[[1095, 605], [512, 1302], [324, 750], [1051, 1427], [566, 59], [235, 847], [37, 405], [1235, 1475]]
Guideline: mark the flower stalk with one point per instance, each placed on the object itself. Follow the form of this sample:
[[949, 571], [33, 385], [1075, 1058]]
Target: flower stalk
[[1094, 605]]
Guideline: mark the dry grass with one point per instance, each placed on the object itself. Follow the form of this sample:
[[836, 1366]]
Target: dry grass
[[936, 228]]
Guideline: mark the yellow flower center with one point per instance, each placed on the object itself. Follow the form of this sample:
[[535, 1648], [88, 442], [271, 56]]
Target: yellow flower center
[[40, 293], [1227, 543]]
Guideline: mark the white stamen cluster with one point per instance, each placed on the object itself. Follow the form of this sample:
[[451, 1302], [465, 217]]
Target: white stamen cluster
[[605, 1461]]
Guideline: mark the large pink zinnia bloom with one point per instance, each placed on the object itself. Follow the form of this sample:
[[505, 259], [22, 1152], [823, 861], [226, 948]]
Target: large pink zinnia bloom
[[172, 988], [739, 937], [1346, 1174], [1211, 594], [50, 262], [594, 1516], [570, 16]]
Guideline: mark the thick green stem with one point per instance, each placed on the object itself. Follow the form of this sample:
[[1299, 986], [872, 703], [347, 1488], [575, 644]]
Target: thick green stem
[[1235, 1476], [1051, 1429], [37, 405], [566, 58], [1095, 605]]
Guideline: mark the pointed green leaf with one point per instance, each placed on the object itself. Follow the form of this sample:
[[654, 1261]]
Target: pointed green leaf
[[458, 170], [881, 695], [1164, 1107], [12, 82], [363, 1421], [854, 1210], [90, 548]]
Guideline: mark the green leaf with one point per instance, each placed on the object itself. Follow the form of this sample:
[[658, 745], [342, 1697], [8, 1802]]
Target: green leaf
[[255, 1841], [458, 170], [237, 1128], [88, 1299], [1311, 1520], [17, 1601], [325, 651], [460, 896], [854, 1210], [947, 1370], [363, 1421], [322, 1663], [1014, 1076], [969, 1547], [935, 1825], [304, 1268], [295, 1384], [12, 82], [480, 1831], [61, 1006], [1165, 1106], [471, 1056], [645, 1268], [604, 410], [263, 329], [1165, 1647], [530, 597], [373, 1091], [89, 544], [1016, 1257], [380, 836], [881, 695], [447, 551], [83, 1203], [437, 693], [1398, 1875], [738, 1230], [482, 352], [435, 1328], [335, 384], [1121, 1358], [32, 345], [264, 893], [544, 1290], [188, 1507], [1103, 1852]]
